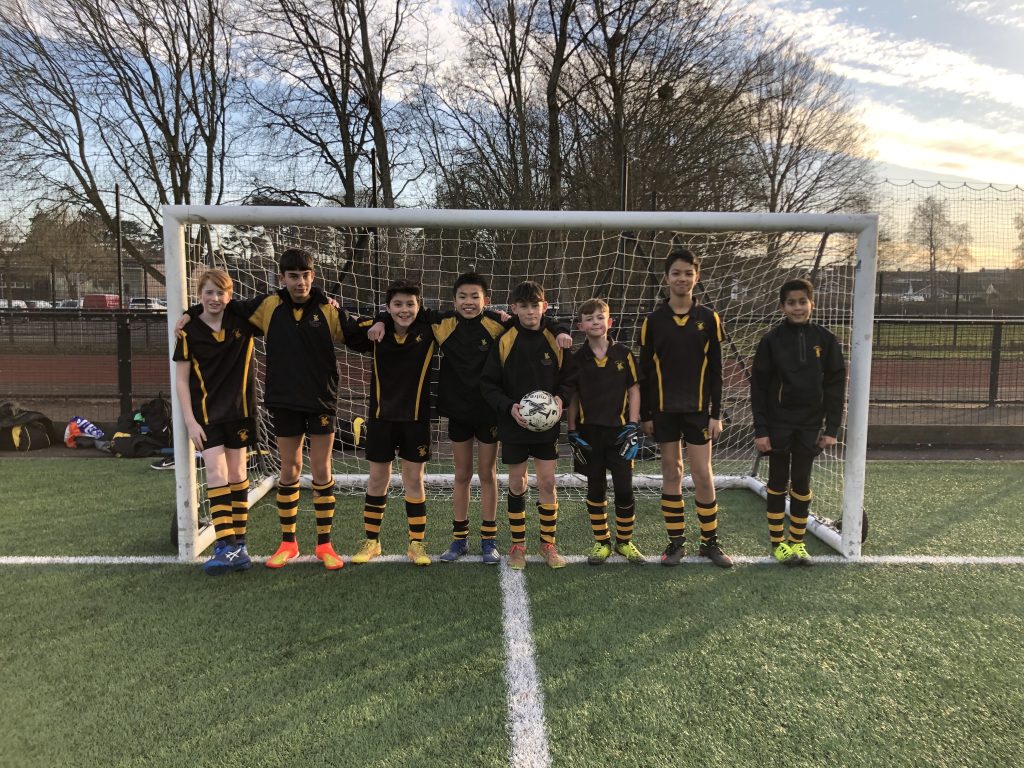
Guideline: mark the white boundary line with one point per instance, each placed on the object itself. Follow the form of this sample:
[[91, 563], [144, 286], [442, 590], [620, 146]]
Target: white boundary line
[[571, 559], [527, 731]]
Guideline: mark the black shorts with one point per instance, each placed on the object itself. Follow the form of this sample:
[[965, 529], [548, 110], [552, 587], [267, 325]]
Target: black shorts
[[240, 433], [692, 428], [517, 453], [289, 423], [802, 442], [410, 440], [604, 453], [484, 427]]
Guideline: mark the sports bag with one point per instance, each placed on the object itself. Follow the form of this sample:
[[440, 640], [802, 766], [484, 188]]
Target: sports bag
[[22, 430]]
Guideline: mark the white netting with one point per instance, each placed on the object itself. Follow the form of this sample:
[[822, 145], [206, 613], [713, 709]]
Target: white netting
[[740, 276]]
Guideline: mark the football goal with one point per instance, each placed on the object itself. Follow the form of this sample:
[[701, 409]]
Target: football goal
[[575, 255]]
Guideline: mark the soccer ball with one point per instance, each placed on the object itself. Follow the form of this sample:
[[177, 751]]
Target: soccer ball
[[539, 410]]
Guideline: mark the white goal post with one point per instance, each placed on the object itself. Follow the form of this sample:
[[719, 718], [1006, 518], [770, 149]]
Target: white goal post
[[182, 223]]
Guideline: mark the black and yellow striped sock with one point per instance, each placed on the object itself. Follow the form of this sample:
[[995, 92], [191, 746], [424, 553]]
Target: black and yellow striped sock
[[598, 511], [799, 509], [517, 517], [323, 505], [548, 521], [707, 514], [288, 510], [625, 517], [673, 509], [240, 509], [220, 512], [488, 529], [460, 530], [373, 514], [776, 510], [416, 515]]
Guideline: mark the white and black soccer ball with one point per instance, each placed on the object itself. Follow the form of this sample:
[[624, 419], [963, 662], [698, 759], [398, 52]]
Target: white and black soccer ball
[[539, 410]]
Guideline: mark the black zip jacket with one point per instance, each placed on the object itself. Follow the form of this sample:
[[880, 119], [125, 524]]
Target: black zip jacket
[[521, 361], [798, 380]]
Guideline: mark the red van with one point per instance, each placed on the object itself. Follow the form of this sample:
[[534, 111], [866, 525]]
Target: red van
[[101, 301]]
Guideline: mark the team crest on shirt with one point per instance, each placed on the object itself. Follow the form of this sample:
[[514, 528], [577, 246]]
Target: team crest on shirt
[[314, 320], [421, 450], [238, 334], [817, 350], [483, 344], [243, 435], [325, 420], [620, 366], [419, 337], [700, 325], [547, 359]]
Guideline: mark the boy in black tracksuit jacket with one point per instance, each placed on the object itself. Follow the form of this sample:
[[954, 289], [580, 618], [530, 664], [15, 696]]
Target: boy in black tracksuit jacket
[[526, 358], [798, 382]]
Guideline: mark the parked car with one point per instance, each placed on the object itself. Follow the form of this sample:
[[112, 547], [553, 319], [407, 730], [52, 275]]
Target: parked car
[[101, 301], [69, 304], [146, 302], [38, 304], [12, 304]]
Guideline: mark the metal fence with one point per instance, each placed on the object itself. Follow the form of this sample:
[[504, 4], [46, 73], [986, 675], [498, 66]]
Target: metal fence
[[926, 371]]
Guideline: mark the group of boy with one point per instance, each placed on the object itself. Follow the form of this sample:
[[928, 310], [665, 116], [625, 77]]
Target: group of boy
[[673, 393]]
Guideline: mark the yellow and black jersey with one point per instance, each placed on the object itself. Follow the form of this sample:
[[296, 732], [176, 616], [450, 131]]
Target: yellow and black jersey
[[521, 361], [681, 362], [302, 370], [798, 380], [603, 384], [465, 344], [399, 384], [221, 373]]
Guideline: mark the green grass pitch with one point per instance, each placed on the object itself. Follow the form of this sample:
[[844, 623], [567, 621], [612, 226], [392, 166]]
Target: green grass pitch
[[390, 665]]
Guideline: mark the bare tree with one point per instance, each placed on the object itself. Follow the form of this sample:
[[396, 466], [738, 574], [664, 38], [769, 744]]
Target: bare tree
[[944, 243], [1018, 223], [808, 148], [136, 92], [332, 75]]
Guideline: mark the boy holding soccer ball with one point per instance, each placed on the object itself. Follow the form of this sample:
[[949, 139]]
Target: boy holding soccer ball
[[604, 431], [797, 384], [528, 358]]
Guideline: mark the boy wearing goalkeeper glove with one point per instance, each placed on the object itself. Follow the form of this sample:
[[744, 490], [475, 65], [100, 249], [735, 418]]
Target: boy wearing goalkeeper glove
[[604, 431], [527, 357], [797, 385], [681, 402]]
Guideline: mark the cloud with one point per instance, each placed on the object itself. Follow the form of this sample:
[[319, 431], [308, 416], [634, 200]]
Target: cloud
[[868, 56], [1003, 13], [951, 145]]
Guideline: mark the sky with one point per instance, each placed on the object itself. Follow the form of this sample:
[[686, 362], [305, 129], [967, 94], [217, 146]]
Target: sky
[[939, 83]]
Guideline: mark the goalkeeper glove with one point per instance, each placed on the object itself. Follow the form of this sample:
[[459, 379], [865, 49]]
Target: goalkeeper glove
[[629, 441], [580, 448]]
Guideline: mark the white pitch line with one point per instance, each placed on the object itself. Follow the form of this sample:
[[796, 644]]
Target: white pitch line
[[528, 732], [571, 559]]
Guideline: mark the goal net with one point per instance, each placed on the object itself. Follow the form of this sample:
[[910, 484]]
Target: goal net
[[576, 256]]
